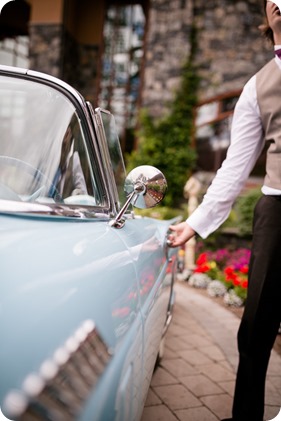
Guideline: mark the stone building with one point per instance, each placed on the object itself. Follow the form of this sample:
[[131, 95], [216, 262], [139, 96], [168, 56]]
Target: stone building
[[66, 38], [229, 46]]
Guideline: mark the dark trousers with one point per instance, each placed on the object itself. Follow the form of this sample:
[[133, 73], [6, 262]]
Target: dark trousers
[[262, 314]]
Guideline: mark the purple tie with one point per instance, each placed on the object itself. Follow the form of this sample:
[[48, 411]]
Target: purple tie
[[278, 53]]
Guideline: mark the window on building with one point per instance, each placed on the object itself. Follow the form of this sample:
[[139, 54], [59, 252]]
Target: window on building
[[14, 38], [213, 120], [15, 51], [123, 51]]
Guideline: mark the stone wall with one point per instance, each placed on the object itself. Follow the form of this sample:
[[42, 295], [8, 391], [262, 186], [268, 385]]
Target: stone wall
[[230, 47], [80, 67], [167, 47], [54, 51], [45, 48]]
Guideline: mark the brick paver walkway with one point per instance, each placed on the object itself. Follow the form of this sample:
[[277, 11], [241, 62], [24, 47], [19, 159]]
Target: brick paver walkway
[[195, 380]]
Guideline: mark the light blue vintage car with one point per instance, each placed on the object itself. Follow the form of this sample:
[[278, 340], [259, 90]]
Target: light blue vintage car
[[86, 289]]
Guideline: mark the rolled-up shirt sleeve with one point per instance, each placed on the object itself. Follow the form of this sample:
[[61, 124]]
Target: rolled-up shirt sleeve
[[246, 145]]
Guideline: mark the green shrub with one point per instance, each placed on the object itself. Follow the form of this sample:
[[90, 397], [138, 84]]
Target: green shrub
[[162, 212], [166, 144]]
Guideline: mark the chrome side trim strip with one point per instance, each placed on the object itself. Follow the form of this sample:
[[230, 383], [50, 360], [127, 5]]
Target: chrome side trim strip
[[62, 384]]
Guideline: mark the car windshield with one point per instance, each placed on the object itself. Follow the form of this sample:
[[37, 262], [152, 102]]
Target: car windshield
[[43, 157]]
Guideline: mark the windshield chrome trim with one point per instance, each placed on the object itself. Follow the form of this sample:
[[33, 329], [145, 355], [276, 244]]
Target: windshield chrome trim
[[107, 183], [109, 176]]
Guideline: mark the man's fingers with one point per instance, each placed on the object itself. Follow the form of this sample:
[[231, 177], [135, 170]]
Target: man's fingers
[[174, 241]]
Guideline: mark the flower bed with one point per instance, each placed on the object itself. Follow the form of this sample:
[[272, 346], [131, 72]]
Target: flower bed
[[223, 273]]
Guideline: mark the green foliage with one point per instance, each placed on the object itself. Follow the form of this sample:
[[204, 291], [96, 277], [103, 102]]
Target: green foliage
[[245, 210], [238, 226], [241, 292], [162, 212], [166, 144]]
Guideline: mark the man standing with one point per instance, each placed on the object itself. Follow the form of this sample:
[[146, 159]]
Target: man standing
[[256, 122]]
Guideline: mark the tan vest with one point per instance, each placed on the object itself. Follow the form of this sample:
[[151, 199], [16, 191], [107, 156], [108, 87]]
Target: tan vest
[[269, 101]]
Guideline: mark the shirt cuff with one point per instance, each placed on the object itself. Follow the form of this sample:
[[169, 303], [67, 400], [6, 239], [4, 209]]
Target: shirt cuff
[[197, 221]]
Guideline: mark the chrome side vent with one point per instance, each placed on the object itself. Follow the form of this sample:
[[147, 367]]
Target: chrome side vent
[[63, 383]]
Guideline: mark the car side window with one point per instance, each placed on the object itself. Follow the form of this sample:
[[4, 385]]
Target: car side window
[[74, 182]]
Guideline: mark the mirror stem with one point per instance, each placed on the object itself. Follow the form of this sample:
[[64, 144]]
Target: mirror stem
[[118, 221]]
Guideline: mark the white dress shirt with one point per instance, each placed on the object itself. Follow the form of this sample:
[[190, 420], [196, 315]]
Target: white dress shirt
[[247, 142]]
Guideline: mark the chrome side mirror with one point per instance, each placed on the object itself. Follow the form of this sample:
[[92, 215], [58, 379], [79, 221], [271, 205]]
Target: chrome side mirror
[[145, 187]]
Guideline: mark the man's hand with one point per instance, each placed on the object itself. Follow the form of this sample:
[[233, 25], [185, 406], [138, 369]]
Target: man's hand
[[181, 233]]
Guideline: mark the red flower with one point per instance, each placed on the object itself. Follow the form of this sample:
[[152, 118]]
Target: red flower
[[202, 258], [236, 280], [244, 269], [202, 268], [244, 284], [229, 271], [229, 274]]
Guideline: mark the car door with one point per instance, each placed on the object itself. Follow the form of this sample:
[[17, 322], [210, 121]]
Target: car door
[[146, 240]]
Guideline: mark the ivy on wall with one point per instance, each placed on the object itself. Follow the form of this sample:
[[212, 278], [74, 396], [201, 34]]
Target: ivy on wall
[[166, 144]]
